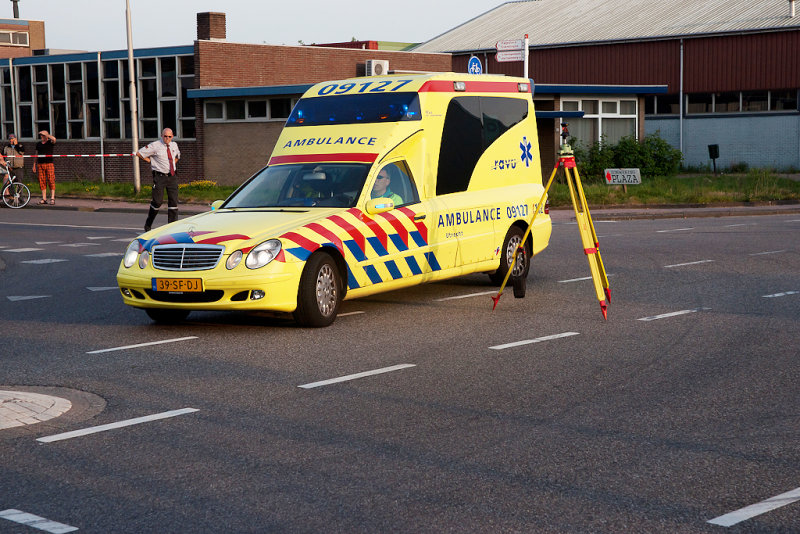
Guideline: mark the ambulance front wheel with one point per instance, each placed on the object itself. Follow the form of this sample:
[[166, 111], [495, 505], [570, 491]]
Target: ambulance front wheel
[[510, 246], [320, 292]]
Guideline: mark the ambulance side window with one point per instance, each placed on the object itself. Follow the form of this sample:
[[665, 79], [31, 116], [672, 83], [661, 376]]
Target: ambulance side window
[[471, 125], [402, 184]]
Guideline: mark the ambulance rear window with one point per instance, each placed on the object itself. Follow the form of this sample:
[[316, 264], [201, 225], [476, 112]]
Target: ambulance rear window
[[355, 109]]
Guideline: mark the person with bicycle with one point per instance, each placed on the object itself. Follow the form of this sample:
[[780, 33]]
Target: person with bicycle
[[13, 152]]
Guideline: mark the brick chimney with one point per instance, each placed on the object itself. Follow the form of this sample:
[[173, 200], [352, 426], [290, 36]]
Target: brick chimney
[[211, 26]]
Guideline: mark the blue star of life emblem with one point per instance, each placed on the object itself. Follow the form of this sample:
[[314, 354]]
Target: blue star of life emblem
[[525, 145]]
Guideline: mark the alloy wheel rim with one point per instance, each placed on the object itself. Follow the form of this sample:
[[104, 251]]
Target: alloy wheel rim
[[326, 290]]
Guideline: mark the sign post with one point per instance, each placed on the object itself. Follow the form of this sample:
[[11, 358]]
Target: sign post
[[513, 50]]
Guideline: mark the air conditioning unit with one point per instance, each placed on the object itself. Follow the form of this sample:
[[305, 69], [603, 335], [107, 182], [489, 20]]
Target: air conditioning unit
[[377, 67]]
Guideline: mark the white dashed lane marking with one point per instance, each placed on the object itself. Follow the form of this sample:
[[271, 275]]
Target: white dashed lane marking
[[44, 261], [27, 297], [767, 252], [138, 345], [104, 255], [112, 426], [23, 249], [674, 230], [466, 296], [748, 512], [104, 288], [784, 294], [672, 314], [356, 376], [689, 263], [537, 340], [34, 521]]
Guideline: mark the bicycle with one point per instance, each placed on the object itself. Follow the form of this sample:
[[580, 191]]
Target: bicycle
[[16, 194]]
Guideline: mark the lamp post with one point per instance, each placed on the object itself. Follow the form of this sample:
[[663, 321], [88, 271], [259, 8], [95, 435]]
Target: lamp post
[[132, 94]]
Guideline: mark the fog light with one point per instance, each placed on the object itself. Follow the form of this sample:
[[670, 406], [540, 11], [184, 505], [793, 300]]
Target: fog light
[[256, 294], [126, 292]]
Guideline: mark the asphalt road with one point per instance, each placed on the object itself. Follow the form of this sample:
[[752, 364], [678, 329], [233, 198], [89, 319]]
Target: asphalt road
[[680, 409]]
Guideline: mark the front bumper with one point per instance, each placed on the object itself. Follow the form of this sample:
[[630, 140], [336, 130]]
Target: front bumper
[[273, 288]]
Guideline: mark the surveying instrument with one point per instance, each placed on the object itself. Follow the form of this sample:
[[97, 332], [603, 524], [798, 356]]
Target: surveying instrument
[[591, 246]]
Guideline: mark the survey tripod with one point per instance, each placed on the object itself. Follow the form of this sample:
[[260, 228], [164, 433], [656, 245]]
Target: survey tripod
[[591, 247]]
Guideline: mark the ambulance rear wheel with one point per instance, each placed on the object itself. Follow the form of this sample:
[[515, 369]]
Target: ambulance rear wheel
[[320, 292], [510, 246], [160, 315]]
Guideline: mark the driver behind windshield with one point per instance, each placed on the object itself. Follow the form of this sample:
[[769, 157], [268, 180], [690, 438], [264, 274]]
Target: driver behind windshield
[[382, 187]]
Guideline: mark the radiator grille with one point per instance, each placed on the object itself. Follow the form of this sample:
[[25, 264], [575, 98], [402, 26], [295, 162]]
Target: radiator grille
[[186, 257]]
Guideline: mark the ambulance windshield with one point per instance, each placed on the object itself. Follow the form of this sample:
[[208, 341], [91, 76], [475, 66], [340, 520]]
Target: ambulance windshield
[[334, 185], [356, 109]]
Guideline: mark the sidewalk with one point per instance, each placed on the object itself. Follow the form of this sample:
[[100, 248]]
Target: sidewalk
[[560, 214]]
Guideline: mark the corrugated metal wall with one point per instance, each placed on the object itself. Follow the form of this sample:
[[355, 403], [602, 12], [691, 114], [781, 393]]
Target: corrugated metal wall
[[769, 60]]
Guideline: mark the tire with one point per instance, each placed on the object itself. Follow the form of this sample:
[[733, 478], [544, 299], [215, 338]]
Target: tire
[[164, 316], [16, 195], [320, 292], [510, 245]]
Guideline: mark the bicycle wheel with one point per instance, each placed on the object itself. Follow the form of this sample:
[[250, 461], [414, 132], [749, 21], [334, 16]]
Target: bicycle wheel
[[16, 195]]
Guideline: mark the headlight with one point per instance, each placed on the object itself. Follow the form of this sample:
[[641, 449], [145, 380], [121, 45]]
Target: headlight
[[131, 253], [144, 259], [263, 254], [234, 259]]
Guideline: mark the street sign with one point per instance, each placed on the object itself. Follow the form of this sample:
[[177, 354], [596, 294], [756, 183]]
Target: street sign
[[509, 44], [474, 66], [512, 55], [623, 176]]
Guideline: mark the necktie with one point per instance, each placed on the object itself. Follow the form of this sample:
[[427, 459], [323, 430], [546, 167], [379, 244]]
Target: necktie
[[171, 162]]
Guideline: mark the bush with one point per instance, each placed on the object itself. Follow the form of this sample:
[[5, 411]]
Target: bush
[[653, 156]]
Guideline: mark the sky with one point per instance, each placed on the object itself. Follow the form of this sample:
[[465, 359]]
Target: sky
[[98, 25]]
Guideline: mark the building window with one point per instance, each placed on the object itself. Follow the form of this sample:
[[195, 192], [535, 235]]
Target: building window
[[785, 100], [607, 119], [727, 102], [253, 110], [11, 38], [755, 101]]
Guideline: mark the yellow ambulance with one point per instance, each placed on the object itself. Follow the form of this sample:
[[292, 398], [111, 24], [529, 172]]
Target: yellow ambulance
[[375, 184]]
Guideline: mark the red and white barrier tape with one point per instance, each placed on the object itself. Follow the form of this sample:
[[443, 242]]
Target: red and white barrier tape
[[72, 156]]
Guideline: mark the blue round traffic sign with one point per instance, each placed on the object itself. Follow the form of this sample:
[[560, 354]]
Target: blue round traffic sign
[[474, 66]]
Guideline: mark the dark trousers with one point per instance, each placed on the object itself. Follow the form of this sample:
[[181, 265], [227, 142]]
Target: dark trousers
[[161, 182]]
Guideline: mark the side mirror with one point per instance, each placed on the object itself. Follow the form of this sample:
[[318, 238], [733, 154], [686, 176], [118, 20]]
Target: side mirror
[[379, 205], [216, 204]]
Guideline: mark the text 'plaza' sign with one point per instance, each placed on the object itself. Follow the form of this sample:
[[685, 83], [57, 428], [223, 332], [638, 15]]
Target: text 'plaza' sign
[[623, 176]]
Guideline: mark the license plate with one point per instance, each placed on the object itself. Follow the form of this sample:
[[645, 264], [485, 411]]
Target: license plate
[[179, 285]]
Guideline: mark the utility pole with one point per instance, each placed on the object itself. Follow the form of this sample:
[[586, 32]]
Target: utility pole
[[137, 184]]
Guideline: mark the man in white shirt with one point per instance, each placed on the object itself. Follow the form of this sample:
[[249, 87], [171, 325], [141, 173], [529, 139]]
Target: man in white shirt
[[163, 156]]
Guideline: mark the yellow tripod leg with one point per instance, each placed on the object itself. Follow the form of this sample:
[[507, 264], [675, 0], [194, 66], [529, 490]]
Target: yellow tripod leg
[[587, 237], [538, 206], [597, 257]]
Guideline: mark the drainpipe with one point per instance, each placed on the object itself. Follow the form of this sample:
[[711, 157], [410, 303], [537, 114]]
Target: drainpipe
[[13, 79], [791, 8], [680, 103], [101, 110]]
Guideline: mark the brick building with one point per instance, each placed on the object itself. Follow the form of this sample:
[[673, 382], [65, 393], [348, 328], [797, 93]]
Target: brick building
[[226, 102]]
